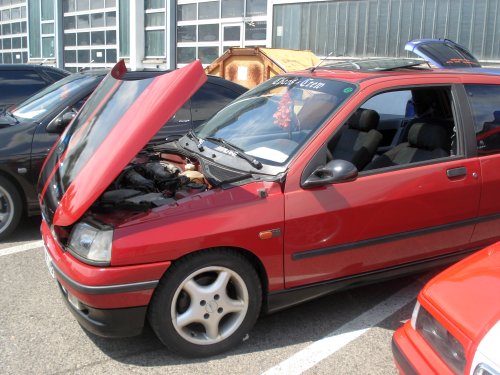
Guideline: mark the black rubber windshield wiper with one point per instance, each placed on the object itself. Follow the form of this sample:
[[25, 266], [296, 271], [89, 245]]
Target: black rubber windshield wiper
[[11, 115], [192, 135], [236, 150]]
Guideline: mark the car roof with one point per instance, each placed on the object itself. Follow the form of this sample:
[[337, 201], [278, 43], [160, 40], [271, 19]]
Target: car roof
[[358, 76], [148, 73], [32, 67]]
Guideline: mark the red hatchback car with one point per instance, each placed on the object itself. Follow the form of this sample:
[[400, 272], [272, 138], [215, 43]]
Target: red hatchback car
[[309, 183], [455, 326]]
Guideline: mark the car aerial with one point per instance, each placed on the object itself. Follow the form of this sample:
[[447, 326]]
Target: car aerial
[[19, 81], [28, 132], [311, 182], [455, 326]]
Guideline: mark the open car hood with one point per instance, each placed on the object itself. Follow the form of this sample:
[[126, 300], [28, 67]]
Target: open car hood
[[442, 53], [115, 123]]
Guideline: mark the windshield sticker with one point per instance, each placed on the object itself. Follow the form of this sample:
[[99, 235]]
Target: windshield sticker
[[348, 90], [308, 83]]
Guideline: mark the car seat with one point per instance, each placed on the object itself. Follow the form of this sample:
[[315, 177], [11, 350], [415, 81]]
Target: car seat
[[359, 141], [426, 141]]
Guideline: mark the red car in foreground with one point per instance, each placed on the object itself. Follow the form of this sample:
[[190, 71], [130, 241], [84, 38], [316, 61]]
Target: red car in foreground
[[309, 183], [455, 327]]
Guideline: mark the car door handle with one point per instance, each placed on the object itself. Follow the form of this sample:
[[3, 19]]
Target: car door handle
[[456, 172]]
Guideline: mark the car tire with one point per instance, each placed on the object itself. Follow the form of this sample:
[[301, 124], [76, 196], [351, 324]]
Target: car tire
[[10, 208], [206, 303]]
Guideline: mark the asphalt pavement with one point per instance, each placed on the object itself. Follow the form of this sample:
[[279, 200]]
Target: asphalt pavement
[[344, 333]]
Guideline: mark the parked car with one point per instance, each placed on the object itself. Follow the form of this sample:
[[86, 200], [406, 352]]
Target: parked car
[[455, 326], [309, 183], [28, 132], [19, 81]]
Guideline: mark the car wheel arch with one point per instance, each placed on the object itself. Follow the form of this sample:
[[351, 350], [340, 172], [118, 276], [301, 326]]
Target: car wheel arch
[[19, 188], [250, 257]]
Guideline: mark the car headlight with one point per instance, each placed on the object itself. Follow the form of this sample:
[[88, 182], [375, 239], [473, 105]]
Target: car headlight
[[443, 342], [90, 244], [484, 369]]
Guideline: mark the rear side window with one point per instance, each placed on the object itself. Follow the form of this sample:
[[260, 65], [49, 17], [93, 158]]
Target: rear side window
[[17, 85], [485, 104]]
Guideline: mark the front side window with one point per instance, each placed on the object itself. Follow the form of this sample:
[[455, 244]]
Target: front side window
[[485, 104], [398, 128], [273, 120]]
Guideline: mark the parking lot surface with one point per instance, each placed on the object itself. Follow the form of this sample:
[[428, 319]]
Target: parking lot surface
[[344, 333]]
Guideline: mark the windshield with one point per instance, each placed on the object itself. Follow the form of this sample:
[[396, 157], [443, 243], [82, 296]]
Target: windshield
[[273, 120], [51, 97]]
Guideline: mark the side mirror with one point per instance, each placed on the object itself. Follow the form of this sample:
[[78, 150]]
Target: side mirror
[[60, 122], [335, 171]]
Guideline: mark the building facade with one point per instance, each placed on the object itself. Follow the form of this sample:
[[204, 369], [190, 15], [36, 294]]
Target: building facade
[[76, 34]]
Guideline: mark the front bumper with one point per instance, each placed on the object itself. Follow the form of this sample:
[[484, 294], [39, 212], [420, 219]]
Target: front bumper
[[123, 322], [413, 355], [107, 301]]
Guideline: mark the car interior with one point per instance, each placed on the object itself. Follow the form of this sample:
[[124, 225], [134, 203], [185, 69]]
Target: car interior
[[397, 128]]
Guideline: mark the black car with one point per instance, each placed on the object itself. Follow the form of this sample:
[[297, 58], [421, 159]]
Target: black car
[[19, 81], [28, 133]]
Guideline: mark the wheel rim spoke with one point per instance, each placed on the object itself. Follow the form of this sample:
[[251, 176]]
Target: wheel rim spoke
[[220, 283], [212, 328], [3, 217], [193, 288], [188, 317], [233, 306]]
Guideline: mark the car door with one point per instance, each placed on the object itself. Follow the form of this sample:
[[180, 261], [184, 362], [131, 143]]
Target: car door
[[484, 99], [385, 218]]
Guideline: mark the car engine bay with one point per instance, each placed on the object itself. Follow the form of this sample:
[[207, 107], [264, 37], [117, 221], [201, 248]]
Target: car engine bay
[[152, 179]]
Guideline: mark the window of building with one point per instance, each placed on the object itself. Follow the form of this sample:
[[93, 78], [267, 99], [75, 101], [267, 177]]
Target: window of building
[[154, 23], [97, 19], [232, 8], [186, 33], [186, 55], [69, 23], [124, 25], [93, 32], [111, 37], [97, 38], [208, 54], [96, 4], [47, 10], [110, 19], [255, 30], [68, 6], [70, 39], [82, 5], [208, 10], [256, 8], [186, 12], [155, 43], [41, 24], [208, 33]]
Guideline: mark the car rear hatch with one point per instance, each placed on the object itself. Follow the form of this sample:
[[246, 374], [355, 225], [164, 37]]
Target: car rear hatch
[[115, 123], [443, 53]]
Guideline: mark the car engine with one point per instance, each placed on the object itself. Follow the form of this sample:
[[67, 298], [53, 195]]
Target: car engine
[[152, 180]]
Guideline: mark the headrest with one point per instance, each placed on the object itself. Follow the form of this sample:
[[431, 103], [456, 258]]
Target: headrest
[[364, 120], [429, 136]]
